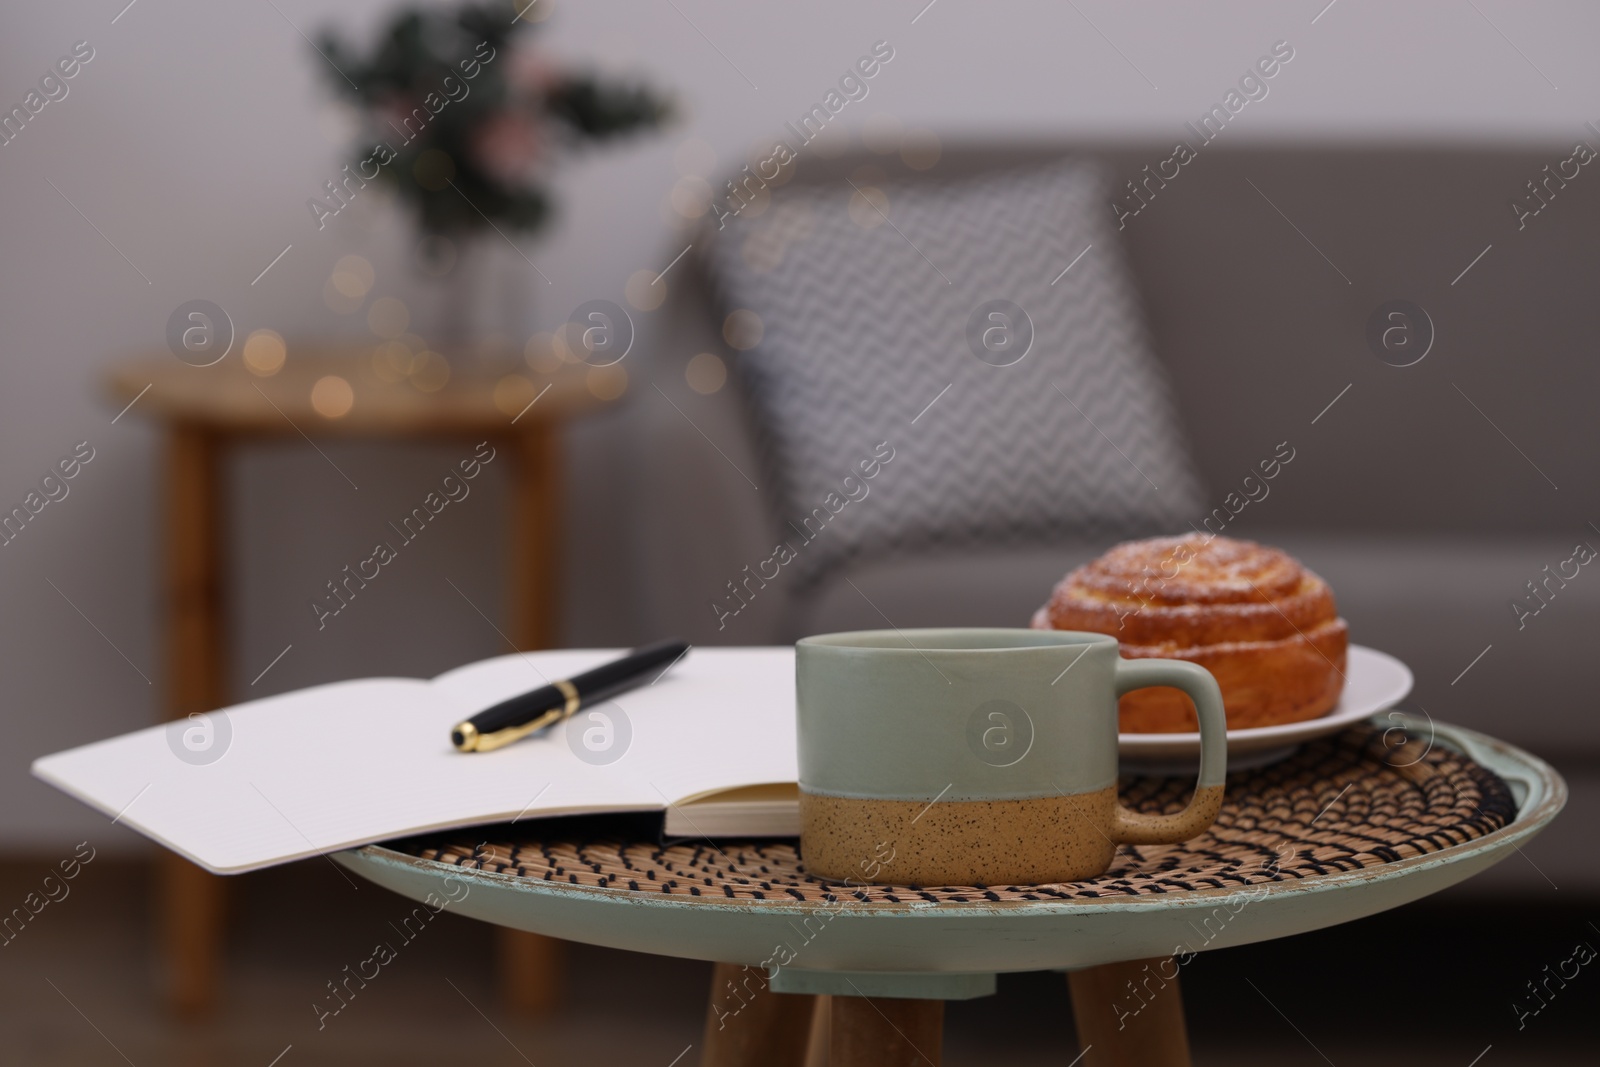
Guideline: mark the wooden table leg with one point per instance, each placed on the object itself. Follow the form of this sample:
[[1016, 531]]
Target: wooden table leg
[[190, 918], [536, 528], [190, 901], [882, 1032], [821, 1027], [531, 965], [748, 1025], [1130, 1014]]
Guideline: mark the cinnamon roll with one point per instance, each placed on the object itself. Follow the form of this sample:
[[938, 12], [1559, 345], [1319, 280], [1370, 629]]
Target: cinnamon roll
[[1266, 627]]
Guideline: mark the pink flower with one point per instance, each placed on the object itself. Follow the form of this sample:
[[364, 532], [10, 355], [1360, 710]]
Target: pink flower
[[392, 112], [506, 145], [530, 73]]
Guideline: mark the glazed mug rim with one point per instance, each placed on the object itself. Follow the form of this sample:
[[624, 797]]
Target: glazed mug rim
[[955, 640]]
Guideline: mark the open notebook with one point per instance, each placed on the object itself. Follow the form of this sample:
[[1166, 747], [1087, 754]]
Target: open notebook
[[711, 742]]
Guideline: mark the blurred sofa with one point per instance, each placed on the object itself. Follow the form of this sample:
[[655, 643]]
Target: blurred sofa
[[1430, 496]]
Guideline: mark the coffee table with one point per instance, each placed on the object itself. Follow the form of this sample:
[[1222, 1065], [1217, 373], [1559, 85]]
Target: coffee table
[[1419, 810]]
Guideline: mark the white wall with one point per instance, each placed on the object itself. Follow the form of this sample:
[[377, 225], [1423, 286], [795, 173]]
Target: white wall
[[194, 137]]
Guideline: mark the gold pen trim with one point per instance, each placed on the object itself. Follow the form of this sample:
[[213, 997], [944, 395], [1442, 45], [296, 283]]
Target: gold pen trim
[[473, 741]]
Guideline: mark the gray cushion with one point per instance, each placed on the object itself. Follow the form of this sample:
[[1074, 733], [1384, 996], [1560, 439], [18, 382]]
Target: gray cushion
[[868, 318]]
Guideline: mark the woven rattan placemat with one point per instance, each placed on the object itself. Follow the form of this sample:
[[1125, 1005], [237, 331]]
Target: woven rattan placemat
[[1343, 803]]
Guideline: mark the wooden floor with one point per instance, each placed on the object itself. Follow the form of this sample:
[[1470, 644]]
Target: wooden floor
[[76, 987]]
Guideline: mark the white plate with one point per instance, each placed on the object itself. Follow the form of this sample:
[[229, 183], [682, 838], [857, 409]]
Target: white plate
[[1374, 681]]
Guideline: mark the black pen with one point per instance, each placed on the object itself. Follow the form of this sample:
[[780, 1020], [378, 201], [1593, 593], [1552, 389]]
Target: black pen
[[522, 715]]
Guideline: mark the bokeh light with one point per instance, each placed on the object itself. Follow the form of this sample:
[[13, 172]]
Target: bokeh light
[[607, 383], [391, 361], [742, 329], [388, 317], [644, 291], [430, 371], [513, 393], [332, 397], [540, 354], [869, 207], [691, 197], [264, 353], [706, 373], [353, 276]]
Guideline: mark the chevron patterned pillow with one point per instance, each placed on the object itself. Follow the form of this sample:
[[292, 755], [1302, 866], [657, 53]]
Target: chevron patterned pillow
[[981, 333]]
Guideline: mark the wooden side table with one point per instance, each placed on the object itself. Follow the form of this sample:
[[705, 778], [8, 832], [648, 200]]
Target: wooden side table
[[1348, 827], [204, 412]]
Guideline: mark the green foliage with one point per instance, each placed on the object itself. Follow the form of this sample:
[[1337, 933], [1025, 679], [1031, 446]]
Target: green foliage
[[474, 120]]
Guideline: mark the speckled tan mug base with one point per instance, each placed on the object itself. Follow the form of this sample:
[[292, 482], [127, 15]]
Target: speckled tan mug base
[[958, 842]]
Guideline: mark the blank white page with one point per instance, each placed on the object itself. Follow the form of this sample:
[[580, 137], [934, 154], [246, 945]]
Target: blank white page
[[342, 765]]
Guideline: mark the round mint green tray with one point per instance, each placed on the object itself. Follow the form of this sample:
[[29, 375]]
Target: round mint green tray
[[951, 949]]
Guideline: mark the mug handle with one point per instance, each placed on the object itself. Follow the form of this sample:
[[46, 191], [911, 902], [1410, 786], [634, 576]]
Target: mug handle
[[1135, 828]]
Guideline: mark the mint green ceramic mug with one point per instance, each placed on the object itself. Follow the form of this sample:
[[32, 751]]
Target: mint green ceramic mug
[[979, 756]]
